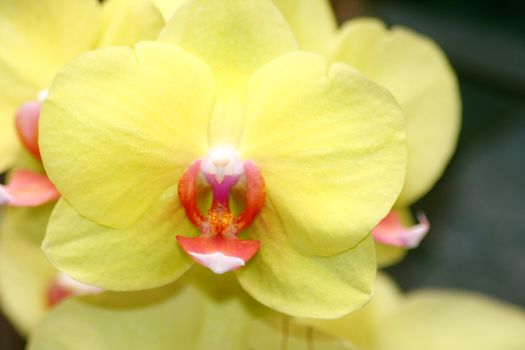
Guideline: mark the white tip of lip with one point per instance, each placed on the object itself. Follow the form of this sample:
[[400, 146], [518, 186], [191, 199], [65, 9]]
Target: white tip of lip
[[5, 197], [218, 262]]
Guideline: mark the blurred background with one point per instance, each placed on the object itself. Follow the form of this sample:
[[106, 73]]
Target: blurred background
[[477, 210]]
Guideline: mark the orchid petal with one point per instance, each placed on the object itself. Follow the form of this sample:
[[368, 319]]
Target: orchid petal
[[126, 22], [312, 22], [331, 148], [168, 7], [417, 72], [283, 279], [235, 37], [391, 231], [142, 115], [144, 255]]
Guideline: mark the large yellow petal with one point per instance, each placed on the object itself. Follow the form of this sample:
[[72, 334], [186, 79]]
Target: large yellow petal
[[301, 285], [25, 276], [331, 148], [417, 72], [235, 37], [130, 122], [144, 255], [126, 22], [191, 315], [312, 21], [437, 320]]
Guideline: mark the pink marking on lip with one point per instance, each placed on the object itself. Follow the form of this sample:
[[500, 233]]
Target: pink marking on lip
[[391, 231], [27, 126], [28, 189]]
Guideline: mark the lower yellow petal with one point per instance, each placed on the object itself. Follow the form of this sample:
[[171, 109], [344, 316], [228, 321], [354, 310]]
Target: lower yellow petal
[[301, 285], [144, 255]]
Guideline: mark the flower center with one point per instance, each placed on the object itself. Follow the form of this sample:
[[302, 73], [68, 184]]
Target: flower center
[[218, 247]]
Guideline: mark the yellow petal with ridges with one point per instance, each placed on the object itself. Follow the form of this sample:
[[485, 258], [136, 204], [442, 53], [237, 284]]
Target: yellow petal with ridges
[[417, 72], [126, 22], [144, 255], [235, 37], [283, 279], [312, 21], [130, 121], [331, 147]]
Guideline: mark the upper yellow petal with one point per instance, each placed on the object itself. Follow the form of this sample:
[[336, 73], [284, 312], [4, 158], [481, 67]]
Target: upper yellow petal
[[331, 148], [301, 285], [417, 72], [144, 255], [235, 37], [168, 7], [130, 122], [312, 21], [126, 22]]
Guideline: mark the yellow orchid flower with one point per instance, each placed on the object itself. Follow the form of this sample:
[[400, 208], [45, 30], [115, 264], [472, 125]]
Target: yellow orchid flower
[[431, 320], [188, 315], [39, 36], [311, 157]]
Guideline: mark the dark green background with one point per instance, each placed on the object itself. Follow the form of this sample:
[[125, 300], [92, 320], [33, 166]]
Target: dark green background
[[477, 213]]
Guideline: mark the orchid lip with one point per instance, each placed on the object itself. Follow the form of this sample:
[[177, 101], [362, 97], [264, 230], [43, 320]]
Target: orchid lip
[[391, 231], [218, 247]]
